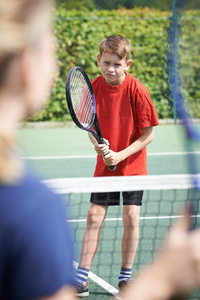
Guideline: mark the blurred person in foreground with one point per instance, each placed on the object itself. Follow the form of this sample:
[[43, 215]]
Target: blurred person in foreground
[[175, 271], [35, 245]]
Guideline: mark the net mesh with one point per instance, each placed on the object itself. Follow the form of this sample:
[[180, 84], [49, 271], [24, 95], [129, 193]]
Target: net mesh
[[81, 99], [164, 198]]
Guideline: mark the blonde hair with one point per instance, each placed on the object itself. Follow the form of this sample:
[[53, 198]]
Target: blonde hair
[[11, 166], [21, 25], [116, 44]]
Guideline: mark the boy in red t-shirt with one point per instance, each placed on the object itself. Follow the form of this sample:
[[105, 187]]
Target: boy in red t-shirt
[[126, 116]]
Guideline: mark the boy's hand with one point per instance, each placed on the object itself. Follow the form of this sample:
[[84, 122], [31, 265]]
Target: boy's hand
[[102, 149], [112, 158]]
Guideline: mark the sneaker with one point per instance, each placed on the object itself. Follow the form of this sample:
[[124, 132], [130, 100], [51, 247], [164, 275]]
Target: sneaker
[[82, 291], [178, 296], [122, 284]]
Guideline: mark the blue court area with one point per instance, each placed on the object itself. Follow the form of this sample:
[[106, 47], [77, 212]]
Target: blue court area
[[67, 152]]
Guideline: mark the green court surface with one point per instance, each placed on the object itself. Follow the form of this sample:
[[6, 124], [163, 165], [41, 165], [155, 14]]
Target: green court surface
[[67, 152]]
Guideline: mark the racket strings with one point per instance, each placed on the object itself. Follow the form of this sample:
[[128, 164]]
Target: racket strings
[[81, 99]]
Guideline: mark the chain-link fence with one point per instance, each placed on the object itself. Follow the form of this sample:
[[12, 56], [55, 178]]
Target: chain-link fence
[[115, 4]]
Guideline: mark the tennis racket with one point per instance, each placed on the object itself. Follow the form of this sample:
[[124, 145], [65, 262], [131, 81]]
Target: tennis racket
[[81, 104], [182, 65], [183, 42]]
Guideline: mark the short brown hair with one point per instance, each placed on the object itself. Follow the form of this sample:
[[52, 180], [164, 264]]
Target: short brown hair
[[116, 44]]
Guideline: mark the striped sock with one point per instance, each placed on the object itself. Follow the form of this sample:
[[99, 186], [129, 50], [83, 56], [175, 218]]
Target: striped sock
[[82, 275], [125, 274]]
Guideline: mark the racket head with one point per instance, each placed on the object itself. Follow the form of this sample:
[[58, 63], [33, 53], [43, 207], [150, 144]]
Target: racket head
[[80, 98], [81, 103], [183, 65]]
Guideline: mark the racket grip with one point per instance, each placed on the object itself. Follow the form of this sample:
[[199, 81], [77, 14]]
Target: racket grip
[[112, 168]]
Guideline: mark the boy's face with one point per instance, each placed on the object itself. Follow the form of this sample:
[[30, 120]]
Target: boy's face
[[113, 67]]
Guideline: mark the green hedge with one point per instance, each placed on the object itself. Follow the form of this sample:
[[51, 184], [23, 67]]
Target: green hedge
[[78, 36]]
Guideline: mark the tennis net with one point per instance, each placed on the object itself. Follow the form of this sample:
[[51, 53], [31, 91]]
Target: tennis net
[[164, 198]]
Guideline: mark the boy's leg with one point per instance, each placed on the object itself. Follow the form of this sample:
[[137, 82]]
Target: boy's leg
[[129, 242], [95, 218], [130, 237]]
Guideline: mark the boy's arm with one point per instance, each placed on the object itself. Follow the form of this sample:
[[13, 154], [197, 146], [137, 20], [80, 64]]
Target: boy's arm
[[101, 149], [92, 139], [113, 158]]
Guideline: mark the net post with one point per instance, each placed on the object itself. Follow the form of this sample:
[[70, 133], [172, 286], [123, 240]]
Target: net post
[[175, 38]]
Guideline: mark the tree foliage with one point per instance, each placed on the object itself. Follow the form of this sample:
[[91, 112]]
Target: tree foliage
[[115, 4], [79, 33], [76, 4]]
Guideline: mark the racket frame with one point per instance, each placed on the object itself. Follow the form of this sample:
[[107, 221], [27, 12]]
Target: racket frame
[[181, 110], [94, 120]]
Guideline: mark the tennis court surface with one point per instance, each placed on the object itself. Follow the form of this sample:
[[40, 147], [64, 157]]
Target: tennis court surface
[[65, 157]]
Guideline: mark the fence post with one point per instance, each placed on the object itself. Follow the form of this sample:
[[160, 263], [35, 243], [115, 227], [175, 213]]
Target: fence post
[[175, 37]]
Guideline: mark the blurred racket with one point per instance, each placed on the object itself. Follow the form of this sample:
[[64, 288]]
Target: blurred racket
[[183, 66]]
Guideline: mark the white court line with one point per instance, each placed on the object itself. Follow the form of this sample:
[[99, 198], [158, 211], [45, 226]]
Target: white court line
[[94, 156], [172, 153], [111, 289], [141, 218], [59, 157]]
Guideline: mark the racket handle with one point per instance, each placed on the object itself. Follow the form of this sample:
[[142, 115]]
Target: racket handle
[[112, 168]]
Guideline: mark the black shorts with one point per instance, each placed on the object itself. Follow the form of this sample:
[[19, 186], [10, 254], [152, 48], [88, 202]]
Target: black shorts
[[113, 198]]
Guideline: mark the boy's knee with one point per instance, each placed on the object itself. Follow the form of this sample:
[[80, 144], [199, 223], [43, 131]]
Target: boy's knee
[[131, 220], [94, 219]]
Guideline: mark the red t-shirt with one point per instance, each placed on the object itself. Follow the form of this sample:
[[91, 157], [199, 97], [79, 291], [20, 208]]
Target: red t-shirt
[[122, 112]]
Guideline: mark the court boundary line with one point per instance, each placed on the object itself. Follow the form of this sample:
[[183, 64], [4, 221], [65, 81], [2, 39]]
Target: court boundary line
[[101, 282], [94, 156], [141, 218]]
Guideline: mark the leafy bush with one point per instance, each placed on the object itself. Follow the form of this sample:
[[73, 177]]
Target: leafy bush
[[79, 34], [114, 4]]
